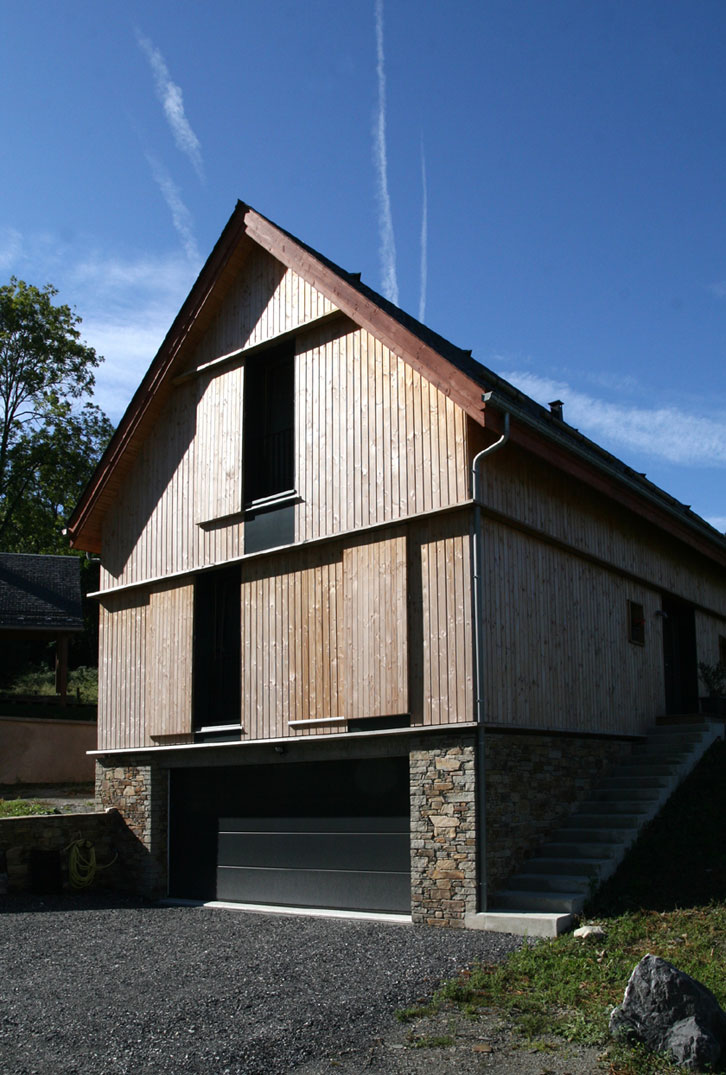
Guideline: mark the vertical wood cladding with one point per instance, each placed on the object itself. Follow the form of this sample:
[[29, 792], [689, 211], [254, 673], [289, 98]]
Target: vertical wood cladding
[[523, 488], [376, 628], [218, 472], [326, 632], [374, 441], [169, 637], [556, 641], [292, 644], [123, 622]]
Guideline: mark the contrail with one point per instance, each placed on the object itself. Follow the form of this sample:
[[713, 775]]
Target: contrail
[[172, 102], [180, 215], [388, 242], [424, 236]]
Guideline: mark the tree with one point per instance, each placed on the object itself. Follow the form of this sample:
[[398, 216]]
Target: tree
[[51, 435]]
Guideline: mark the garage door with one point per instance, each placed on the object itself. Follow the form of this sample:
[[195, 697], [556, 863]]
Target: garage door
[[318, 834], [347, 862]]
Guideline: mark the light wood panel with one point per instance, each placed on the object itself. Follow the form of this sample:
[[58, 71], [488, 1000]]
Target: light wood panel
[[520, 486], [376, 628], [441, 669], [169, 642], [123, 621], [266, 300], [556, 642], [218, 446], [292, 643], [376, 442]]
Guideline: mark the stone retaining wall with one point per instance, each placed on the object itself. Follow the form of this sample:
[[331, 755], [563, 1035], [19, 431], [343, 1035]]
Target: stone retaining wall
[[35, 850]]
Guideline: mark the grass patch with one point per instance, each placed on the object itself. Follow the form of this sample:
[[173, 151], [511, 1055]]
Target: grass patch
[[21, 808], [434, 1041], [668, 898]]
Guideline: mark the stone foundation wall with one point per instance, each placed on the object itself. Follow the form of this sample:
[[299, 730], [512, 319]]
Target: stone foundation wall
[[443, 833], [532, 784], [35, 850], [140, 793]]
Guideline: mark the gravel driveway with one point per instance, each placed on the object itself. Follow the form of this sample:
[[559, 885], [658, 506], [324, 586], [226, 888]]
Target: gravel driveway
[[107, 986]]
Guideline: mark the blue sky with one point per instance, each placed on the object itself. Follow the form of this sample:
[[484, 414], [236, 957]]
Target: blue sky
[[553, 172]]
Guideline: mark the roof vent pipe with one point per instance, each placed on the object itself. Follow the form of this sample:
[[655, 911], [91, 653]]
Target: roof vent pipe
[[555, 407]]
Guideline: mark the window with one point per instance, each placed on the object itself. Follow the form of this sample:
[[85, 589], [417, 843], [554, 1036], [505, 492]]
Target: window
[[721, 649], [269, 424], [636, 623], [217, 650]]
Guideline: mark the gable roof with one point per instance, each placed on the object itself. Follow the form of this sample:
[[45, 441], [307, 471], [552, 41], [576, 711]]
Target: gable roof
[[40, 593], [451, 369]]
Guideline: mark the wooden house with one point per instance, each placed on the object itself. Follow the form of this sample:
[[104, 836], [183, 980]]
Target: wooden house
[[348, 658]]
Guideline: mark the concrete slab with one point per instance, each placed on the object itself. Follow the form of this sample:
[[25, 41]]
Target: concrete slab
[[522, 923]]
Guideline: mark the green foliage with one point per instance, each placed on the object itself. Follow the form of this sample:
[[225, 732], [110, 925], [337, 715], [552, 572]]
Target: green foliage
[[51, 436], [714, 678], [21, 808], [82, 683]]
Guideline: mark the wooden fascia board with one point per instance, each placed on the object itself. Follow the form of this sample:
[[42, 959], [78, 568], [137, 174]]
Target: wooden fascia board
[[571, 462], [84, 526], [461, 389]]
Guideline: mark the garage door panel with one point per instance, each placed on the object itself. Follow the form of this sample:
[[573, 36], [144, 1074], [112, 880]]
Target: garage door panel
[[370, 849], [345, 889]]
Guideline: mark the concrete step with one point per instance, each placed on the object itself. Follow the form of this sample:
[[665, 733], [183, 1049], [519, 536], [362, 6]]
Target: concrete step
[[573, 832], [621, 804], [633, 770], [636, 780], [551, 902], [549, 882], [632, 793], [574, 851], [559, 864], [594, 820], [522, 923]]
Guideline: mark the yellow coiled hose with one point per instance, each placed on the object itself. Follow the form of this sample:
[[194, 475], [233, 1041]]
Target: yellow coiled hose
[[82, 865]]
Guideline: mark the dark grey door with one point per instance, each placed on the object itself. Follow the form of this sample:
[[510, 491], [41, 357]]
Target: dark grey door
[[354, 863], [312, 834]]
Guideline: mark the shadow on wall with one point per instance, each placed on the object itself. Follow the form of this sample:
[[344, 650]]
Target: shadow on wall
[[50, 854]]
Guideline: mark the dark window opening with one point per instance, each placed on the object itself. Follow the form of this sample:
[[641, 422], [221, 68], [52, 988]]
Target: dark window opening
[[636, 623], [269, 423], [217, 645], [721, 649]]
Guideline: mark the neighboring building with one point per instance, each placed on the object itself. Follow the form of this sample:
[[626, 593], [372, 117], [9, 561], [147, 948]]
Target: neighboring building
[[288, 670], [40, 600]]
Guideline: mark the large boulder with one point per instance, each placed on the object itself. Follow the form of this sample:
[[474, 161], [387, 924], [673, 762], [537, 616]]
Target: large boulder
[[671, 1012]]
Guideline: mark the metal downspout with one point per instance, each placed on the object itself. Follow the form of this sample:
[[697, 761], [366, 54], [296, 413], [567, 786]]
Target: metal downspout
[[477, 541]]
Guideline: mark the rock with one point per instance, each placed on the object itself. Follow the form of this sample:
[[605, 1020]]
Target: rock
[[589, 932], [671, 1012]]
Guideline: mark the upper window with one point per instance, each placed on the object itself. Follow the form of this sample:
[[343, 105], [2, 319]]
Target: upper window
[[636, 623], [269, 424]]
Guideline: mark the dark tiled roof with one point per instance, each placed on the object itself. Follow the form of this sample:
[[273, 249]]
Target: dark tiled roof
[[40, 592]]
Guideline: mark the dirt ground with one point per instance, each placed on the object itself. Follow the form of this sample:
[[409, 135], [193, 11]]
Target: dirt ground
[[451, 1041]]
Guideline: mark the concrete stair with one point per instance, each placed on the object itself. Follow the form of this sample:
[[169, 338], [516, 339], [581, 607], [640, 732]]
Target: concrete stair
[[553, 886]]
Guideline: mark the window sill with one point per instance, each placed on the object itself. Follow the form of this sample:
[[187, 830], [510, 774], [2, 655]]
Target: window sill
[[254, 507], [278, 500]]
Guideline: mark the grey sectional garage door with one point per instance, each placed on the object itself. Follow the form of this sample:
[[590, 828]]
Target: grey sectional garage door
[[308, 834], [353, 862]]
